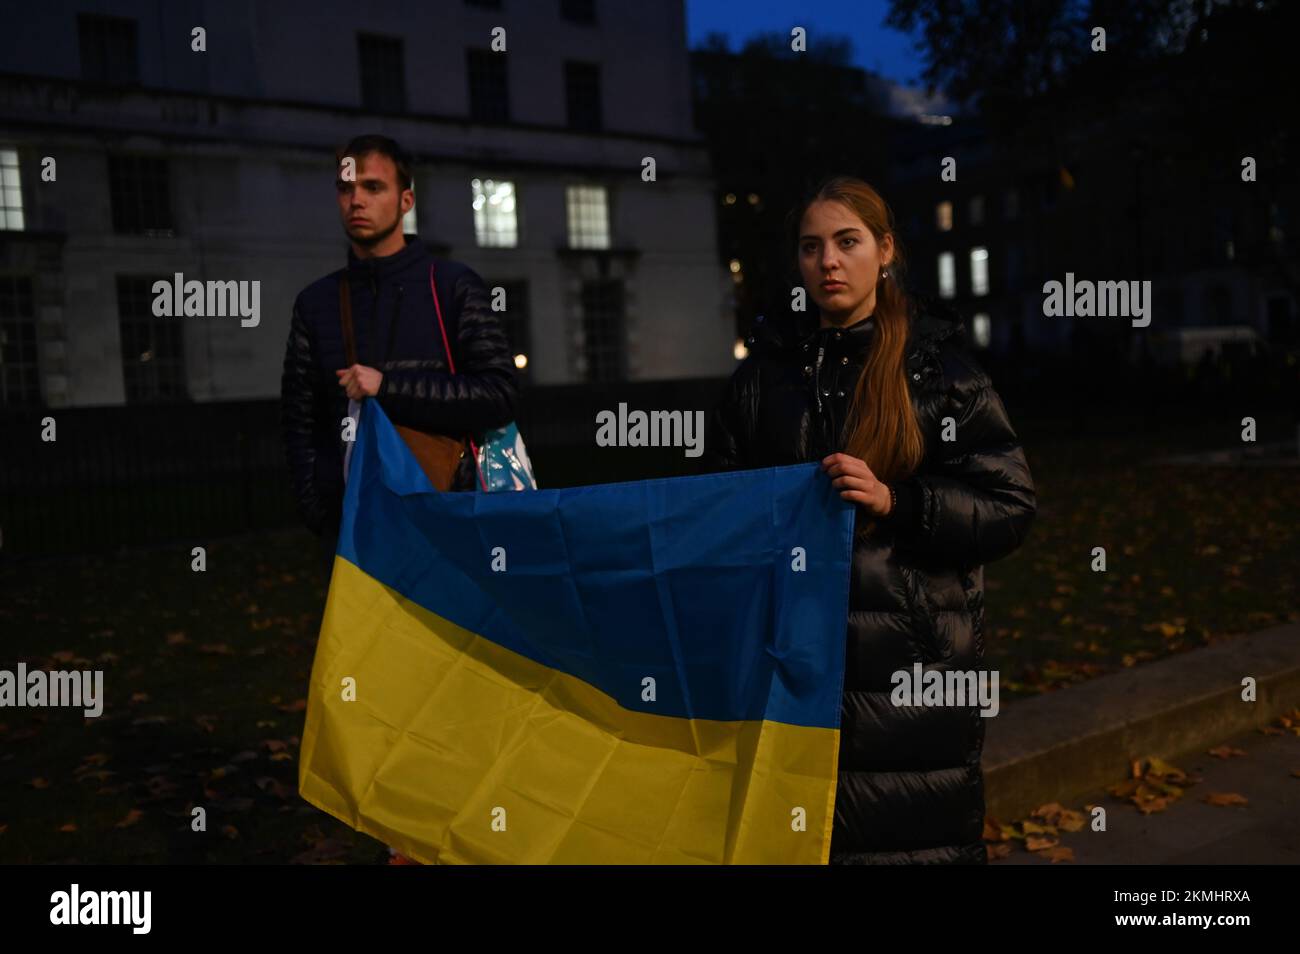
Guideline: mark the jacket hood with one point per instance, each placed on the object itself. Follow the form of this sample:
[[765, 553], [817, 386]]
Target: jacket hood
[[930, 322]]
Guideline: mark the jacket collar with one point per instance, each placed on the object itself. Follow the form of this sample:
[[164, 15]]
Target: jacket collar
[[386, 266], [931, 322]]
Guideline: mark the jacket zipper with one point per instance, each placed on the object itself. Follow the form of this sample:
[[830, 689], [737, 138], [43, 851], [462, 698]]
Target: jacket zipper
[[817, 377], [392, 326], [372, 345]]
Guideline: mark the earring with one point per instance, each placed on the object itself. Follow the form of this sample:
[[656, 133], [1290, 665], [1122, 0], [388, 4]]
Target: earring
[[884, 273]]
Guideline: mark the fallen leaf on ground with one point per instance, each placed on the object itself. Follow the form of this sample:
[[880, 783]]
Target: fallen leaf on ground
[[1058, 816], [276, 788], [1040, 842], [322, 851], [1225, 798], [1148, 805], [1225, 752]]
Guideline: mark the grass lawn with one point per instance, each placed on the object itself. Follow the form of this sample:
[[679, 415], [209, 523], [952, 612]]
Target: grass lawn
[[205, 680], [1192, 554], [206, 673]]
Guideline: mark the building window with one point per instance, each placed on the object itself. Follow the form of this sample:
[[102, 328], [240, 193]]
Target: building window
[[489, 94], [19, 373], [108, 49], [604, 350], [140, 192], [11, 192], [588, 210], [514, 320], [383, 73], [982, 329], [943, 216], [582, 95], [153, 368], [977, 210], [495, 223], [1011, 204], [578, 11], [979, 270], [410, 226], [947, 275]]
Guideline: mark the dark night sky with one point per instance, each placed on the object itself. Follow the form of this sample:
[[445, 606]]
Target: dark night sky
[[875, 47]]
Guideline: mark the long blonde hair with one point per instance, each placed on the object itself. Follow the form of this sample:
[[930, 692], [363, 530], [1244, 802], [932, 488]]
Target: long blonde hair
[[881, 423]]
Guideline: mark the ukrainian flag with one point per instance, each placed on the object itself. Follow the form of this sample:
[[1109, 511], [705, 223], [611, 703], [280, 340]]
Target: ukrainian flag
[[635, 673]]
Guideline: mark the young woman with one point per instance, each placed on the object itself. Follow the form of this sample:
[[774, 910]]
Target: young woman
[[877, 386]]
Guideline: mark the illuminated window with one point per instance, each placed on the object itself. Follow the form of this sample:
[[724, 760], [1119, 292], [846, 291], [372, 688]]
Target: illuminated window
[[588, 210], [979, 270], [495, 223], [409, 226], [982, 327], [943, 216], [947, 275], [11, 193]]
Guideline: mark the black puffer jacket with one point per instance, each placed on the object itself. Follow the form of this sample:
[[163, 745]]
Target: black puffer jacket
[[910, 787], [396, 331]]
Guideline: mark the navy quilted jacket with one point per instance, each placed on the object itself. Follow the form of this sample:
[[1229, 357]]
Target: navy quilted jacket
[[396, 331]]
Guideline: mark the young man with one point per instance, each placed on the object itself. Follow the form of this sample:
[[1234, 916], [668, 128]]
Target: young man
[[401, 361]]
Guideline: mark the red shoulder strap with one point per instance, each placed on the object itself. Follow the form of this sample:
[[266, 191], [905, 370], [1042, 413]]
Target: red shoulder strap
[[441, 327], [451, 364]]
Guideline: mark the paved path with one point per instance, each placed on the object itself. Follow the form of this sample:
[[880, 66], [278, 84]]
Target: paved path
[[1265, 831]]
